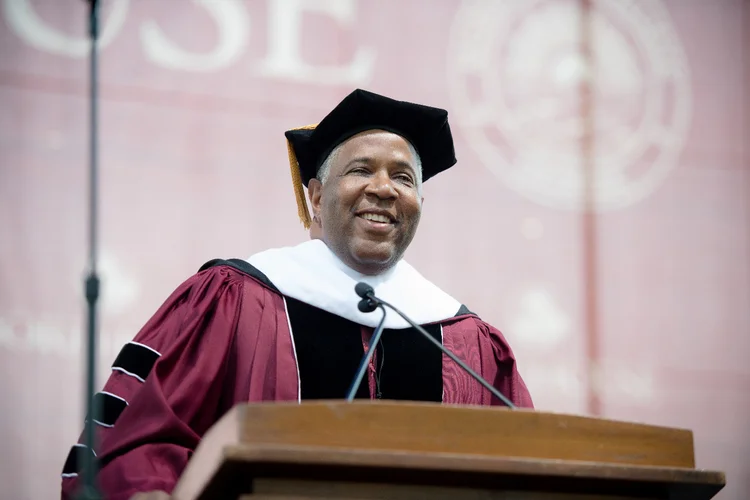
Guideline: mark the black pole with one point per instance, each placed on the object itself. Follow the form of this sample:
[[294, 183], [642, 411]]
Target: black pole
[[89, 489]]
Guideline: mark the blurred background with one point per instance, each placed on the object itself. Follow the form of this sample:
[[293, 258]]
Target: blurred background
[[599, 214]]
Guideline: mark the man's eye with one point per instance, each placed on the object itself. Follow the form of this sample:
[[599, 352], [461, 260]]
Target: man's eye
[[405, 178]]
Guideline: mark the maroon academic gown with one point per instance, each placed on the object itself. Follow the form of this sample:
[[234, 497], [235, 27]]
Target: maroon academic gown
[[223, 338]]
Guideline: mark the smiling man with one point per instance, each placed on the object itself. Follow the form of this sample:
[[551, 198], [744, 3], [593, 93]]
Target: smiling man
[[283, 325], [369, 195]]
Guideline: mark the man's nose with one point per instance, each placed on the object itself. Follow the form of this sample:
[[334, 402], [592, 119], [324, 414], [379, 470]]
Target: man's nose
[[381, 185]]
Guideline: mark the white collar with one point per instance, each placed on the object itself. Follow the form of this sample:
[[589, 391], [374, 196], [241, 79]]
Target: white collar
[[311, 272]]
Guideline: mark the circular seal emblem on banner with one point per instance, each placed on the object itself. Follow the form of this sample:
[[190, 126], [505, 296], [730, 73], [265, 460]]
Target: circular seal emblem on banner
[[518, 74]]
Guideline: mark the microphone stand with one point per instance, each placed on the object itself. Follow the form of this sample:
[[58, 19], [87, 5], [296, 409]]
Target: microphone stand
[[366, 305], [371, 296], [89, 489]]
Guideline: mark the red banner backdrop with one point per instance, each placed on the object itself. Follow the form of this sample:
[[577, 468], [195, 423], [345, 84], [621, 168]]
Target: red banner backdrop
[[599, 212]]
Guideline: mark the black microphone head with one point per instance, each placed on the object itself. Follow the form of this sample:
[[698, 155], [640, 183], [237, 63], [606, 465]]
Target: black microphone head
[[367, 305], [363, 290]]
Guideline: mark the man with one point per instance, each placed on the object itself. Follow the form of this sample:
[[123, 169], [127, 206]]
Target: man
[[284, 325]]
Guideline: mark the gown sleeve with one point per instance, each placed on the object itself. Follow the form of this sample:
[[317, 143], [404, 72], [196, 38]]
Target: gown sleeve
[[503, 369], [166, 389]]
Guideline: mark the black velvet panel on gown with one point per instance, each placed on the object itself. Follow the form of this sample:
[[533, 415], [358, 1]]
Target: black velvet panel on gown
[[329, 350]]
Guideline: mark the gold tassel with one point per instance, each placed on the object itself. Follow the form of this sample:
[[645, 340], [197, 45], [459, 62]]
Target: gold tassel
[[299, 192]]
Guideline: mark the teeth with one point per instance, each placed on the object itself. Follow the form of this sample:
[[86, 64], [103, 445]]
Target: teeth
[[376, 218]]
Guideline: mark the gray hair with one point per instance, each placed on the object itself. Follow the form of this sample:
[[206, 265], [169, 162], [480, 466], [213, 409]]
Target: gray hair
[[325, 168]]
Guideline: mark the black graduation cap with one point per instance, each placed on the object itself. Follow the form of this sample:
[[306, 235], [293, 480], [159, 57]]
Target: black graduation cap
[[425, 127]]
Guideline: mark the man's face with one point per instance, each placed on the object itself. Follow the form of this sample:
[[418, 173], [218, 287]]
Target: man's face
[[369, 207]]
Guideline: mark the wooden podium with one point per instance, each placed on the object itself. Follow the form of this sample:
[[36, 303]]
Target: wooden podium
[[393, 450]]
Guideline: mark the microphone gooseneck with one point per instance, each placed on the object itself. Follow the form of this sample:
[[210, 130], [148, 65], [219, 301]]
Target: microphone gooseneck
[[370, 350], [367, 293]]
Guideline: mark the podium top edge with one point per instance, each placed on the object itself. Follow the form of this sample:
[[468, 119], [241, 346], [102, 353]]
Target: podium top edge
[[334, 404]]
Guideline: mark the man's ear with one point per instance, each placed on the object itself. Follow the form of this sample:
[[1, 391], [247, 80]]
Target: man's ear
[[314, 191]]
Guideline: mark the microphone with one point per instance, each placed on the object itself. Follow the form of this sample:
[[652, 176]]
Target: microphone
[[368, 294], [367, 304]]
